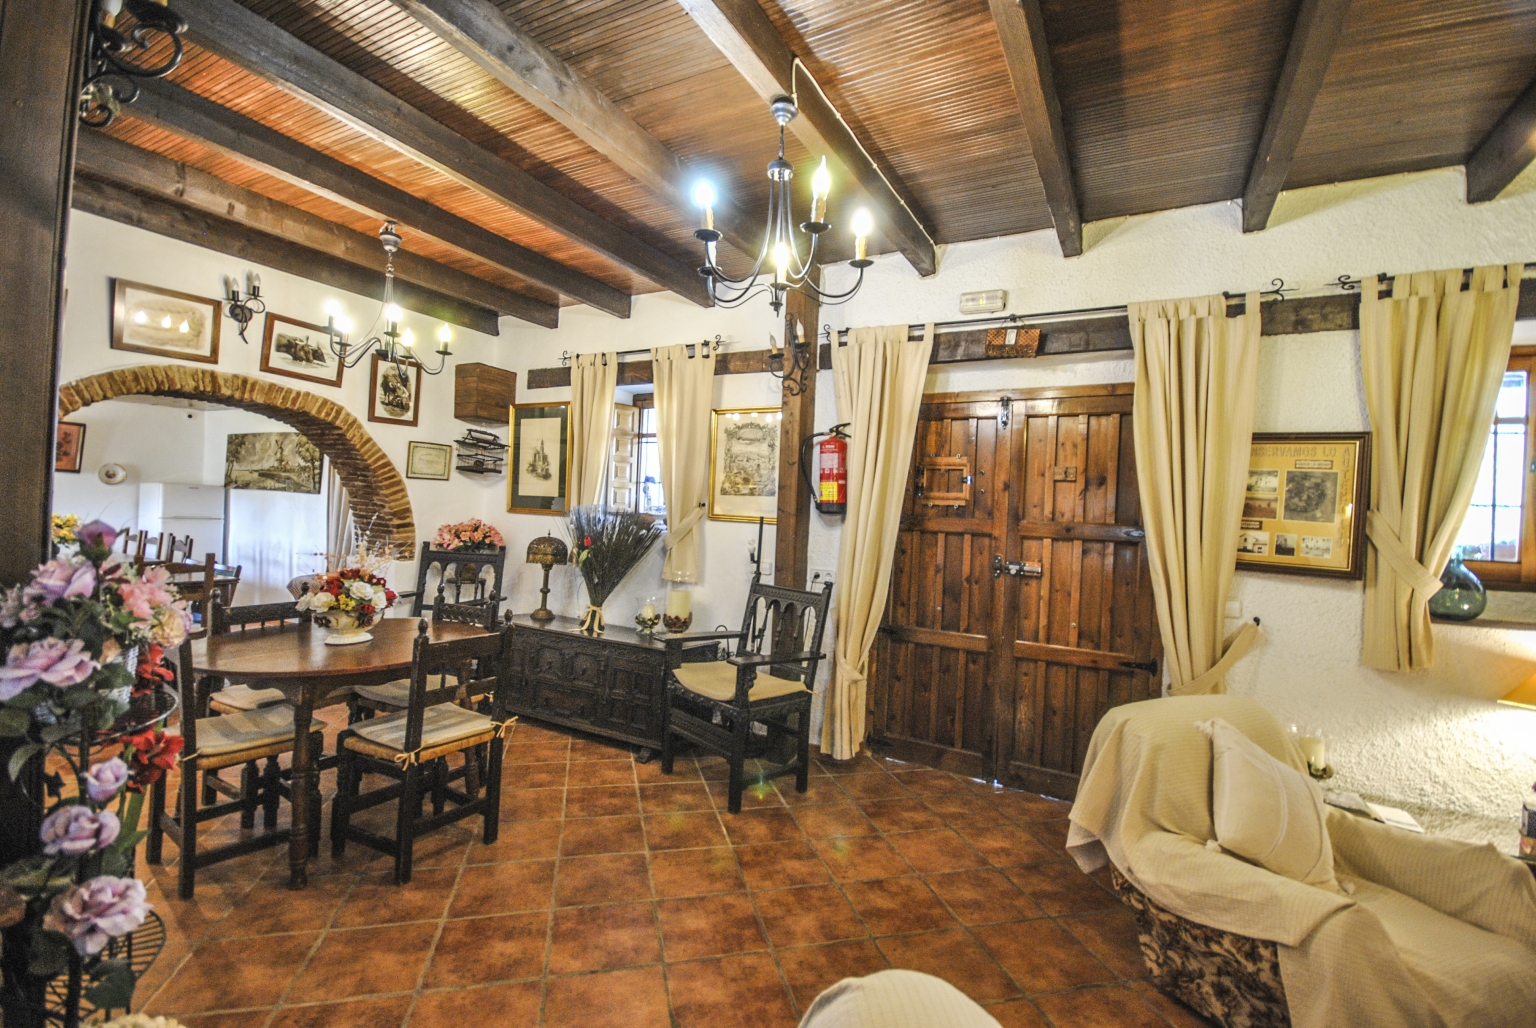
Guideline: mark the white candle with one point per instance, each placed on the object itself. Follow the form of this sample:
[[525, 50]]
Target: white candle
[[679, 604], [1315, 750], [648, 611]]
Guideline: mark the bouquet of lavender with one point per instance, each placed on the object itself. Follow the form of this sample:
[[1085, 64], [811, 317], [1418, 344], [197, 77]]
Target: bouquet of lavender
[[71, 635], [605, 547]]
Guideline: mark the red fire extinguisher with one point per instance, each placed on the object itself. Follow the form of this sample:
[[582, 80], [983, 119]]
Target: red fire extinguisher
[[829, 488]]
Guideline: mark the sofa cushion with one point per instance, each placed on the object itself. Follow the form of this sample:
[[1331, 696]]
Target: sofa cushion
[[1265, 811]]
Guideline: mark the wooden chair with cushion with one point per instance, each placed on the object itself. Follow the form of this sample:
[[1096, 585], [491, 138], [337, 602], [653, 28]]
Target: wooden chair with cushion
[[767, 680], [409, 745], [196, 584], [257, 617], [461, 580], [368, 700], [213, 743]]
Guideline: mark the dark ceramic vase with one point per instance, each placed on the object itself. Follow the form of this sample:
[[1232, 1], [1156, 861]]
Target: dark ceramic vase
[[1461, 596]]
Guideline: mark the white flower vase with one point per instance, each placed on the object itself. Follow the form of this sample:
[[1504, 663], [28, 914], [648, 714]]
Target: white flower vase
[[345, 630]]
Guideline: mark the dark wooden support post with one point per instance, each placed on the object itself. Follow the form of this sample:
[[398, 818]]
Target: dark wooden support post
[[797, 425]]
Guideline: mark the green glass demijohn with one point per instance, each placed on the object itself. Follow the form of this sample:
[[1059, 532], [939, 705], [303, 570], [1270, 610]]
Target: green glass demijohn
[[1461, 596]]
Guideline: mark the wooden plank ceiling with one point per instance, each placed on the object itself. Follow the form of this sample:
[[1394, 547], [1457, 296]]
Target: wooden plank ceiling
[[1162, 105]]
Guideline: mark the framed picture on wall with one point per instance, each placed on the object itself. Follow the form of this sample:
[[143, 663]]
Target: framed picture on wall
[[541, 459], [299, 350], [148, 319], [428, 460], [744, 464], [394, 392], [284, 462], [71, 447], [1304, 504]]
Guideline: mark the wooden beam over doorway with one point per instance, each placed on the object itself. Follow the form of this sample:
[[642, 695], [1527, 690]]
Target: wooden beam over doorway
[[1021, 27], [1505, 152], [1319, 24], [261, 48]]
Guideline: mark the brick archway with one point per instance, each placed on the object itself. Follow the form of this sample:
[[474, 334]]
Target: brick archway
[[381, 507]]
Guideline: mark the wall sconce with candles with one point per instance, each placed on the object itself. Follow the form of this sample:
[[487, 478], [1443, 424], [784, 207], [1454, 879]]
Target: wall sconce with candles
[[394, 344], [790, 363], [243, 311]]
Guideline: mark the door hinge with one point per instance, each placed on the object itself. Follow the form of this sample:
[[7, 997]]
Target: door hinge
[[1022, 569], [1149, 666], [1004, 412]]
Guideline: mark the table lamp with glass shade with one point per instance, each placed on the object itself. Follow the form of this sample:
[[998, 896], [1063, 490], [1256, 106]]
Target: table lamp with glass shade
[[546, 551], [1522, 695]]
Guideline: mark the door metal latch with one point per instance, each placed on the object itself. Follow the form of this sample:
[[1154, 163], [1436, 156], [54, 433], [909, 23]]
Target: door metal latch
[[1149, 666], [1022, 569]]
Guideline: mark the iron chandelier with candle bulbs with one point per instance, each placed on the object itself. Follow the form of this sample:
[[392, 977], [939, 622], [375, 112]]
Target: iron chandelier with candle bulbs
[[394, 344], [780, 248]]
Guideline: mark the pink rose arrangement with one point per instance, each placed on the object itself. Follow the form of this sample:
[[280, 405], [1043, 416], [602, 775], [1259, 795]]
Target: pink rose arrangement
[[473, 534]]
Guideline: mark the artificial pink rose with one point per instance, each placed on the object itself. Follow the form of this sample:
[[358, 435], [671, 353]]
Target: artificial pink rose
[[142, 597], [54, 661], [97, 533], [104, 780], [103, 908], [61, 580], [76, 829]]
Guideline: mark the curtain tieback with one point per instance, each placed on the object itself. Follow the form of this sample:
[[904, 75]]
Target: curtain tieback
[[1238, 646], [685, 524], [1391, 548]]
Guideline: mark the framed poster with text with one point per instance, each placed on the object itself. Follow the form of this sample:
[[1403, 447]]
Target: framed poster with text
[[1304, 502]]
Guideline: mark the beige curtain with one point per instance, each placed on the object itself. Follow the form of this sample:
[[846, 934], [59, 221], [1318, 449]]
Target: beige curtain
[[684, 395], [879, 377], [1196, 380], [1432, 355], [340, 532], [594, 377]]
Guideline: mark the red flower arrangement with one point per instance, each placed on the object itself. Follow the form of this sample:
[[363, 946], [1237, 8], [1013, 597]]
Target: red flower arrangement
[[152, 753]]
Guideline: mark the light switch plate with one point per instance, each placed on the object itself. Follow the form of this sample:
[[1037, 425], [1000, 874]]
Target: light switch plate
[[818, 577]]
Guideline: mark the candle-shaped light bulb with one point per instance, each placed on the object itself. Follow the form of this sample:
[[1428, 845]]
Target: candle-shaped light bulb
[[407, 338], [863, 225], [704, 196], [773, 344], [444, 334], [781, 261], [393, 313], [821, 188], [344, 324], [253, 283], [332, 309]]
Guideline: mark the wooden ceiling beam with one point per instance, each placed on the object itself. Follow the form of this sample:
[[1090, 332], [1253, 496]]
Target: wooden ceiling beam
[[182, 112], [744, 34], [1021, 27], [113, 161], [482, 32], [261, 48], [1507, 150], [1319, 24]]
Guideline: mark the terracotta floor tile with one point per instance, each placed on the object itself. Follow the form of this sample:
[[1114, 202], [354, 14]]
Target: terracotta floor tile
[[753, 827], [955, 957], [589, 749], [243, 1019], [1177, 1013], [709, 926], [741, 991], [514, 1005], [754, 793], [233, 974], [651, 772], [964, 808], [669, 797], [601, 801], [684, 830], [537, 752], [780, 865], [908, 815], [1052, 834], [1060, 888], [633, 998], [678, 873], [873, 787], [597, 938], [833, 820], [810, 970], [523, 840], [937, 851], [925, 781], [159, 972], [1019, 1013], [589, 835], [1090, 1008], [1028, 806], [478, 950], [505, 888], [589, 773], [1041, 956], [1006, 845], [894, 906], [820, 789], [271, 907], [533, 776], [530, 804], [357, 1013], [862, 858], [859, 765], [983, 897], [1111, 936], [378, 900], [353, 963], [608, 878], [808, 916]]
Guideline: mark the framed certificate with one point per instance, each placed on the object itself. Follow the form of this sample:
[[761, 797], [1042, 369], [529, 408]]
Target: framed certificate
[[1304, 502]]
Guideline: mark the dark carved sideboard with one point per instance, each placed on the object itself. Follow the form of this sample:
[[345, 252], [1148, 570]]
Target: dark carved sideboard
[[611, 684]]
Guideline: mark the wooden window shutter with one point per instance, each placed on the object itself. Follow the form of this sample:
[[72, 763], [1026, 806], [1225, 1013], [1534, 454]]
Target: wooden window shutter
[[621, 461]]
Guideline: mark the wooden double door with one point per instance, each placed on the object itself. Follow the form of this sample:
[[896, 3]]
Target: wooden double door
[[1021, 606]]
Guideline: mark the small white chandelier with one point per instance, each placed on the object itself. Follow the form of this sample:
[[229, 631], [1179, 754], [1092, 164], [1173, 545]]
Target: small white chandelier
[[394, 344], [790, 271]]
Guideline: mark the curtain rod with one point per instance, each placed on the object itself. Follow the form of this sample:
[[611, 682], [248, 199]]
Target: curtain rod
[[693, 350]]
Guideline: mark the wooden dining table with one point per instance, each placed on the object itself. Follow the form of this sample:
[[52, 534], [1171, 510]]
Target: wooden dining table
[[296, 660]]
